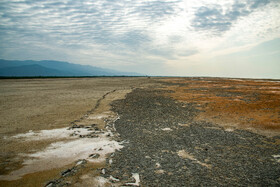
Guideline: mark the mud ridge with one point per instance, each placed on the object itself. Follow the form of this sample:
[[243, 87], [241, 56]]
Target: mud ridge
[[95, 107]]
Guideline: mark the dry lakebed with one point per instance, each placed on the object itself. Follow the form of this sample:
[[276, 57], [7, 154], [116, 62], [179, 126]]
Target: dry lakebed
[[139, 131]]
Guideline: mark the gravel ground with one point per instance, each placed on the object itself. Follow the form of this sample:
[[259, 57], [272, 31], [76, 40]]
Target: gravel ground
[[167, 147]]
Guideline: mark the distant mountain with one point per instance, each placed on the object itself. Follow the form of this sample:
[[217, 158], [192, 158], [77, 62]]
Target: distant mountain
[[31, 71], [30, 68]]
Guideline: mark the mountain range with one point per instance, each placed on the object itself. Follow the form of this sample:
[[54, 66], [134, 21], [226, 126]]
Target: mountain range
[[51, 68]]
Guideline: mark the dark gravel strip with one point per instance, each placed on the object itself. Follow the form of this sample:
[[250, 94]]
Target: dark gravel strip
[[211, 156]]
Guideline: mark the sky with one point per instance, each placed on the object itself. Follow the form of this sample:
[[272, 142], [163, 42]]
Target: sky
[[221, 38]]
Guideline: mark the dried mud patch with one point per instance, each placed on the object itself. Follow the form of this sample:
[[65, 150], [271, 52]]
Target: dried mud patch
[[87, 140]]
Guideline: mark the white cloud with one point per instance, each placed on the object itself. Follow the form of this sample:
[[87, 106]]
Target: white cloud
[[130, 34]]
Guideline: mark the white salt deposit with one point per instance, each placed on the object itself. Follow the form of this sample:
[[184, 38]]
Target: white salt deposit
[[100, 116], [52, 134], [114, 179], [101, 181], [277, 158], [229, 129], [158, 165], [137, 180], [62, 153], [167, 129]]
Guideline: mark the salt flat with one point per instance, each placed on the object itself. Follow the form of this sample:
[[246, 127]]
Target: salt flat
[[139, 131]]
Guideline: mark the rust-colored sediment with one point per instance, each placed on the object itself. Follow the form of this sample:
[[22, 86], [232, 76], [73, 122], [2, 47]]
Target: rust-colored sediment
[[238, 103]]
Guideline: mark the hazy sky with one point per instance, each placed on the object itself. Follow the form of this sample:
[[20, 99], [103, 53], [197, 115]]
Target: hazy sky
[[236, 38]]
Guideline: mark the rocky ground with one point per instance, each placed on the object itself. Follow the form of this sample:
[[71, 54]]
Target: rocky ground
[[167, 147]]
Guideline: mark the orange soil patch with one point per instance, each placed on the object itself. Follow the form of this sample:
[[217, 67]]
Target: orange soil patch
[[242, 103]]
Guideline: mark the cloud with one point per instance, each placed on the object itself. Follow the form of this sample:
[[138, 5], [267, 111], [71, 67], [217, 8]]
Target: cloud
[[219, 19], [211, 19], [127, 34], [114, 25], [156, 10]]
